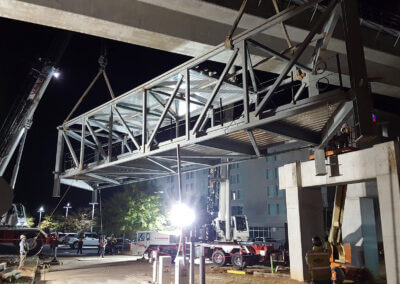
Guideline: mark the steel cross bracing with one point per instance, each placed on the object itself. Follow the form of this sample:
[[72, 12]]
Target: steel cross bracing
[[225, 114]]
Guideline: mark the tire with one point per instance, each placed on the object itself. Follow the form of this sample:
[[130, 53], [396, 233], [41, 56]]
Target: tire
[[74, 245], [238, 261], [218, 258], [150, 257]]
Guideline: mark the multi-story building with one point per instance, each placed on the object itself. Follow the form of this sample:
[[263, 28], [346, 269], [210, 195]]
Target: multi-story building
[[254, 191]]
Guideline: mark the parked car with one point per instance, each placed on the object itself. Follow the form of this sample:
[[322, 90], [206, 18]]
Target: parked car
[[63, 237], [68, 237], [122, 245], [89, 239]]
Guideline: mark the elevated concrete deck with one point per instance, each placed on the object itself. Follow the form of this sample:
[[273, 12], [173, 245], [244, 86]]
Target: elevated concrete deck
[[183, 26]]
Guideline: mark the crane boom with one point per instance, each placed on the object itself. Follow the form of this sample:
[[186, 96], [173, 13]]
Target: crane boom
[[21, 122]]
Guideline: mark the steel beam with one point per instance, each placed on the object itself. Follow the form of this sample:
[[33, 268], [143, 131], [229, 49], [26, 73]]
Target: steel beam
[[253, 142], [228, 145], [96, 140], [71, 149], [357, 70], [130, 134], [161, 165], [276, 54], [101, 178], [215, 91], [284, 129], [299, 51], [166, 108], [58, 165], [343, 112], [246, 104], [82, 152]]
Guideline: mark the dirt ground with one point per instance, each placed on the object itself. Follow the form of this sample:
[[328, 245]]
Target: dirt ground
[[28, 272], [117, 269]]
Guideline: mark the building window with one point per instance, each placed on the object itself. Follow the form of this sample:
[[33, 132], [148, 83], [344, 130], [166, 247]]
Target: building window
[[187, 175], [282, 209], [260, 232], [270, 174], [238, 179], [191, 175], [270, 158], [187, 187], [191, 187], [278, 157], [279, 192], [272, 209], [271, 190], [234, 166], [239, 197], [237, 210], [276, 173], [235, 179], [233, 195]]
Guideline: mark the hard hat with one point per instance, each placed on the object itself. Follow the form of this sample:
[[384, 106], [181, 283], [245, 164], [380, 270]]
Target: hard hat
[[22, 237], [316, 241]]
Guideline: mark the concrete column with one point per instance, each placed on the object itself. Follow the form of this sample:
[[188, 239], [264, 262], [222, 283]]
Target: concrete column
[[387, 160], [359, 227], [305, 220]]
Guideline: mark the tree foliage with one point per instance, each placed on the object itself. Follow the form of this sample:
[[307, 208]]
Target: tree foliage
[[79, 221], [133, 209]]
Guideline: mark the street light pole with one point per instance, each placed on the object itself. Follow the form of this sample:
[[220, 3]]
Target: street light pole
[[91, 223], [41, 210], [66, 209]]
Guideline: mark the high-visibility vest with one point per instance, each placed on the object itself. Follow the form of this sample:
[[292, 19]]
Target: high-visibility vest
[[318, 261]]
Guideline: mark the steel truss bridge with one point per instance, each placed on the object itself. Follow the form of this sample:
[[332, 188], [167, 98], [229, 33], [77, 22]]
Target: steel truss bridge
[[227, 115]]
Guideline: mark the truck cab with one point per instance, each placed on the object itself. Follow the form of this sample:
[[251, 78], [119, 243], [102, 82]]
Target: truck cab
[[239, 229]]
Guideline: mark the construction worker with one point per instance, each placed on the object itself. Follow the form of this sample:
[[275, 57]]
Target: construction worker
[[102, 245], [318, 261], [54, 245], [23, 251], [327, 246], [113, 243], [80, 244]]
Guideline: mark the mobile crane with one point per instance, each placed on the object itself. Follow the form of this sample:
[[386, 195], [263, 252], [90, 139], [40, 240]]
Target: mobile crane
[[13, 135]]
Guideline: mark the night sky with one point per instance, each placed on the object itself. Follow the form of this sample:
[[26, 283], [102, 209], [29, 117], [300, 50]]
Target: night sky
[[20, 46]]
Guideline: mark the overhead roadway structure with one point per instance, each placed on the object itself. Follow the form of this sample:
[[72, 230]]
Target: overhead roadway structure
[[230, 114], [183, 27]]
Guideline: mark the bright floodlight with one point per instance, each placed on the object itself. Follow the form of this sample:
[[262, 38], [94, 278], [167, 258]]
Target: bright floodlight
[[181, 215], [56, 74], [41, 209]]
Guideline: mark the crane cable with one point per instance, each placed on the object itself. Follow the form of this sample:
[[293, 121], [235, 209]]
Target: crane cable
[[102, 71]]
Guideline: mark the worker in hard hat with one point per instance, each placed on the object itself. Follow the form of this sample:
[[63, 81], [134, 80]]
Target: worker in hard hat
[[318, 261], [23, 251]]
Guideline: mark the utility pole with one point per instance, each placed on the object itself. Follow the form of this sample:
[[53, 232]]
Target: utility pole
[[91, 222]]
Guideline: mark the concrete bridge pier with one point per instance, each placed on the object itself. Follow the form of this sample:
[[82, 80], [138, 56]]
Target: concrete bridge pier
[[378, 164]]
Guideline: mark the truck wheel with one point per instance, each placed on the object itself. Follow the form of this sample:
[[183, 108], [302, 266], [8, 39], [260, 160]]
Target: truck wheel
[[238, 261], [218, 258], [75, 245], [149, 255]]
